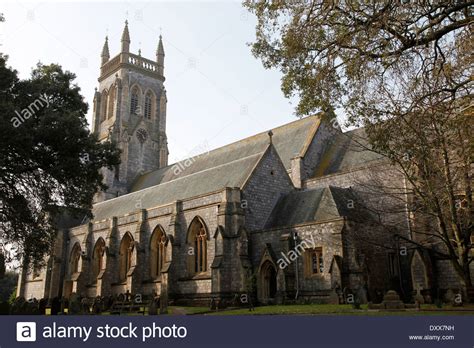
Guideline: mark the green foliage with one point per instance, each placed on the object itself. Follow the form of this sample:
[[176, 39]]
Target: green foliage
[[335, 54], [8, 285], [12, 297], [49, 161], [325, 309], [403, 70], [2, 265], [251, 282]]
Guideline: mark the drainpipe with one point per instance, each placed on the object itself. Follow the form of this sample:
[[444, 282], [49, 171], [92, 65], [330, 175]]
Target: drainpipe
[[399, 266], [407, 208], [295, 239]]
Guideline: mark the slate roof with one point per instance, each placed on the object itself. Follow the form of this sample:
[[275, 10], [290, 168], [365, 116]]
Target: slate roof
[[348, 151], [230, 174], [289, 140], [227, 166], [315, 205]]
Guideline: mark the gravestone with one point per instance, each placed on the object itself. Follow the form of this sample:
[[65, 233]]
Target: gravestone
[[97, 305], [154, 305], [419, 297], [449, 296], [391, 301], [74, 304], [212, 304], [85, 307], [333, 297]]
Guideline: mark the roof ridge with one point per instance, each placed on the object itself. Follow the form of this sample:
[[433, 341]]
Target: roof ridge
[[234, 142]]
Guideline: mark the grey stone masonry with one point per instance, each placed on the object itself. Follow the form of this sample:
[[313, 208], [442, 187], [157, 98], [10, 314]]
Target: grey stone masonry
[[263, 189], [290, 215]]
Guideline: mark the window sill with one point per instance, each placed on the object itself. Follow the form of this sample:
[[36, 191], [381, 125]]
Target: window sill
[[315, 276], [119, 283], [200, 276]]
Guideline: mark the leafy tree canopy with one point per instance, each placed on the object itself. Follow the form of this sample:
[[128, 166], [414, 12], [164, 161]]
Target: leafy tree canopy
[[351, 53], [49, 161], [402, 69]]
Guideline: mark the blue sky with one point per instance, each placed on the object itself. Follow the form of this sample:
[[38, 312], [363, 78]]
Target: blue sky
[[217, 91]]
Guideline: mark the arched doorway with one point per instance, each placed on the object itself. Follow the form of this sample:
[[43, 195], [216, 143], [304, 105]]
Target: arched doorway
[[268, 281]]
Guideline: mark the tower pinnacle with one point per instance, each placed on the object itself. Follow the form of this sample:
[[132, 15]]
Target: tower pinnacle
[[105, 51], [125, 38], [160, 56]]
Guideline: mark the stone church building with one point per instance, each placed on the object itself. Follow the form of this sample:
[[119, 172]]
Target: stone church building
[[277, 215]]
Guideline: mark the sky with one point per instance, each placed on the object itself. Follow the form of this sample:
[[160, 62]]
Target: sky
[[218, 92]]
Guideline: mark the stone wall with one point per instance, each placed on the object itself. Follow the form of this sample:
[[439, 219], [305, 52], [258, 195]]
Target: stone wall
[[380, 189], [447, 276], [138, 155], [318, 146], [35, 288], [260, 194], [312, 235], [174, 220]]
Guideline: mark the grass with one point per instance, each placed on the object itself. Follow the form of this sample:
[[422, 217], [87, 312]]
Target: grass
[[330, 309], [187, 310], [317, 309]]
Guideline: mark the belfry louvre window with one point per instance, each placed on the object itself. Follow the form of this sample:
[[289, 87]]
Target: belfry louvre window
[[103, 106], [148, 105], [134, 102], [314, 261], [111, 101]]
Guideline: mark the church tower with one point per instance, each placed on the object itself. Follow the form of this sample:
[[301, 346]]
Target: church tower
[[130, 110]]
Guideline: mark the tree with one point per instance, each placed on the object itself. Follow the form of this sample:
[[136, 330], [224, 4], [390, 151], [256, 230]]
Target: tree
[[49, 161], [7, 285], [403, 70], [2, 265]]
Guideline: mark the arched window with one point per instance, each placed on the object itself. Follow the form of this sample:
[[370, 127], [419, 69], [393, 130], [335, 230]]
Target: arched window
[[158, 252], [149, 105], [314, 261], [126, 252], [134, 101], [111, 100], [98, 258], [35, 271], [74, 259], [103, 106], [197, 239]]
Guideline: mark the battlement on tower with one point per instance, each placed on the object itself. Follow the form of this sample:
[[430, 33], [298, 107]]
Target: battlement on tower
[[131, 61]]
